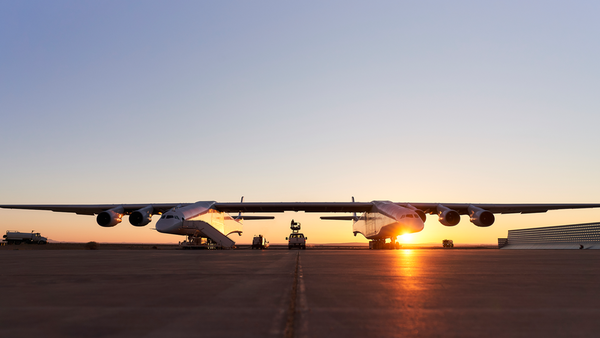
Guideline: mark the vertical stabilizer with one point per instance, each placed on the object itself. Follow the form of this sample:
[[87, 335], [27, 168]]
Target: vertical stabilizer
[[240, 212], [354, 213]]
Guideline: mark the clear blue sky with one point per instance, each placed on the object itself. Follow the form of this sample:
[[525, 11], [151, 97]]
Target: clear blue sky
[[429, 101]]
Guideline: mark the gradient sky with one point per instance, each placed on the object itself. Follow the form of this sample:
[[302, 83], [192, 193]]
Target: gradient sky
[[422, 101]]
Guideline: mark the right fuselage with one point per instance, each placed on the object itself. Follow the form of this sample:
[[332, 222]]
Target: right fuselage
[[388, 220]]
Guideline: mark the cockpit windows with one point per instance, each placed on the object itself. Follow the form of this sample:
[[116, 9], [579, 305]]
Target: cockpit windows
[[169, 216]]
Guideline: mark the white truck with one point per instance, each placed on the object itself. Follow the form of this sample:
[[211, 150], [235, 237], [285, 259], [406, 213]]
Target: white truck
[[296, 239], [15, 237]]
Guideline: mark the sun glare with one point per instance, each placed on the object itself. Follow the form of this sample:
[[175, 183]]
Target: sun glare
[[406, 238]]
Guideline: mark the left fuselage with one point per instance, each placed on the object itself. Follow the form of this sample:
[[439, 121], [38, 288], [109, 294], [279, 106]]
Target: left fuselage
[[173, 221]]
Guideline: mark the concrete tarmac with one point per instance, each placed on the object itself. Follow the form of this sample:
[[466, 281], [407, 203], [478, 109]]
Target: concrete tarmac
[[311, 293]]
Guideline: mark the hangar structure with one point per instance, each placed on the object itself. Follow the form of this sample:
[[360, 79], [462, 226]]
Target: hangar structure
[[573, 236]]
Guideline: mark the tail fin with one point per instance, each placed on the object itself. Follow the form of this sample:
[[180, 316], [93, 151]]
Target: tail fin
[[240, 212], [248, 218], [354, 217], [354, 213]]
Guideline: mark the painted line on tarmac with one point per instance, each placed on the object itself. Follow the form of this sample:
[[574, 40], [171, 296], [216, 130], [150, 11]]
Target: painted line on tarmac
[[303, 310], [280, 320], [291, 316]]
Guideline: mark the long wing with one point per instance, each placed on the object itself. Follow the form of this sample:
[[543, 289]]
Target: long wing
[[294, 206], [93, 209], [319, 207], [431, 208], [461, 208]]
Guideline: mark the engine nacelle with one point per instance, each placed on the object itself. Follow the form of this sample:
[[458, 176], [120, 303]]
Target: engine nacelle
[[111, 217], [480, 217], [447, 216], [141, 217]]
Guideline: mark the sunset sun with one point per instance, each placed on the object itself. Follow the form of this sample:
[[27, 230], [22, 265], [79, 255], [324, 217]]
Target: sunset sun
[[406, 238]]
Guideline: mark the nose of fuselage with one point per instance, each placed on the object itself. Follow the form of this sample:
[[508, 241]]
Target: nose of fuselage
[[168, 225], [418, 224], [411, 225]]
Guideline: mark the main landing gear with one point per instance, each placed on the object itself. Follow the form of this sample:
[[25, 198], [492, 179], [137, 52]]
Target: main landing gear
[[380, 244]]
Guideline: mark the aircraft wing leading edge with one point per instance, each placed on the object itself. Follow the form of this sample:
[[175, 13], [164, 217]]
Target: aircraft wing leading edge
[[323, 207], [318, 207], [93, 209], [462, 208], [378, 220]]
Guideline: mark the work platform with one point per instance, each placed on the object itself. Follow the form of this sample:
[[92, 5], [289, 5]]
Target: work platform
[[569, 237], [205, 237]]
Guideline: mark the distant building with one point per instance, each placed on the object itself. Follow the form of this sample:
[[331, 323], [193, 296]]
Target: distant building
[[574, 236]]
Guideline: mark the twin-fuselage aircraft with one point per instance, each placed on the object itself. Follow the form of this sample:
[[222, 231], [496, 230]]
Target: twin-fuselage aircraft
[[375, 220]]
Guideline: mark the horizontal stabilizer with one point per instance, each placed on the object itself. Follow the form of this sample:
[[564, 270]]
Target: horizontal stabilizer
[[254, 218], [338, 218]]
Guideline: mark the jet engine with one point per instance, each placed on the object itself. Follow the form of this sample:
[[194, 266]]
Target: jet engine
[[447, 216], [111, 217], [141, 217], [480, 217]]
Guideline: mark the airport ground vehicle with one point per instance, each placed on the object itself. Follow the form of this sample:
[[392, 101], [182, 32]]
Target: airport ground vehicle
[[15, 237], [296, 239], [259, 242], [448, 243]]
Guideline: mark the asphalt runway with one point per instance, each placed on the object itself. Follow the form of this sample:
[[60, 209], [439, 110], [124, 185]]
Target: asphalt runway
[[311, 293]]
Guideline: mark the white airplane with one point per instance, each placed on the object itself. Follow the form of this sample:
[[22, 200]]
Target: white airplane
[[379, 220]]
